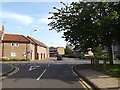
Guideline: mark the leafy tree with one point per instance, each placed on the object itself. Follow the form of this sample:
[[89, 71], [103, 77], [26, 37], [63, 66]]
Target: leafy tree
[[88, 24], [68, 49], [98, 51]]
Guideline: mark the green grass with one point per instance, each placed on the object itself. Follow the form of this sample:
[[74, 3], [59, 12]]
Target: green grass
[[112, 70]]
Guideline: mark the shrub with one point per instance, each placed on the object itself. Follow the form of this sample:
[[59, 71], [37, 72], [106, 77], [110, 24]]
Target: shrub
[[105, 58], [80, 57], [84, 57], [118, 58], [102, 57], [69, 56], [15, 59]]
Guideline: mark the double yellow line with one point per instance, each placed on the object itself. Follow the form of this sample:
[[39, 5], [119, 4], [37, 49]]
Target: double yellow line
[[82, 82], [15, 71]]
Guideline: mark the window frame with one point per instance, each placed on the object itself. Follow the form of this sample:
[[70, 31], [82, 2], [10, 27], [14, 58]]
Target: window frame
[[17, 44], [25, 54], [13, 54], [12, 44]]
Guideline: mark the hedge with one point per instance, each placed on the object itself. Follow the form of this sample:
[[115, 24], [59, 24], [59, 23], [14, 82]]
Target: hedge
[[88, 57], [15, 59]]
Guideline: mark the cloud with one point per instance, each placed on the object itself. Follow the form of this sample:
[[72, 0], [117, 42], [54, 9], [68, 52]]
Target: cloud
[[45, 20], [19, 17], [25, 19]]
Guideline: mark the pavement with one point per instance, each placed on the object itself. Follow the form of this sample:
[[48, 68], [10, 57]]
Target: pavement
[[96, 79]]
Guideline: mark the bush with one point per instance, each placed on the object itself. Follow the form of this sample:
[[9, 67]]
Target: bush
[[84, 57], [88, 57], [15, 59], [105, 58], [118, 58], [102, 57], [69, 56], [80, 57]]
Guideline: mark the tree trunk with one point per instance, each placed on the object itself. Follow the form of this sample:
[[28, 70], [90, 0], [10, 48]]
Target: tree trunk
[[110, 53]]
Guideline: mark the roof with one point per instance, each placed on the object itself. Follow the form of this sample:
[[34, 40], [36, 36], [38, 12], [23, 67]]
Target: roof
[[15, 38], [37, 42]]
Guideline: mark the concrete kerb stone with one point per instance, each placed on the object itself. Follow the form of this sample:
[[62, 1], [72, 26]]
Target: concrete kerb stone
[[75, 68]]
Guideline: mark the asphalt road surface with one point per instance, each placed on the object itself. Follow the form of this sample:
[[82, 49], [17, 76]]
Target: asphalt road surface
[[57, 74]]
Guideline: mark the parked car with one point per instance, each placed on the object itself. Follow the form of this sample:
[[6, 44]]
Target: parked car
[[59, 57]]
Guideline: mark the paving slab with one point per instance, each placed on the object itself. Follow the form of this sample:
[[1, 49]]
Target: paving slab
[[99, 79]]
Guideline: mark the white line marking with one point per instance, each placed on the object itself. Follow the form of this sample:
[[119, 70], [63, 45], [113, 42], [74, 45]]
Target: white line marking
[[41, 74], [33, 67]]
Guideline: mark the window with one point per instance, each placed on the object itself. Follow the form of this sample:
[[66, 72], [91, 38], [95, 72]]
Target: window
[[13, 54], [12, 44], [17, 44], [25, 54]]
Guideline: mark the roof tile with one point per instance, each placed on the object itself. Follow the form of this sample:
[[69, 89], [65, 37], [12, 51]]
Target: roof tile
[[15, 38], [37, 42]]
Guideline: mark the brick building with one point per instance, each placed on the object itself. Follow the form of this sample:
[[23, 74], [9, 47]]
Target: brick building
[[41, 50], [56, 51], [21, 47], [116, 50]]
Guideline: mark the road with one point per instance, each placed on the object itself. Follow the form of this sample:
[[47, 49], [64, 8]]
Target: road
[[47, 74]]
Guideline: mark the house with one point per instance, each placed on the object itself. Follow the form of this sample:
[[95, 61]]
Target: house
[[41, 50], [22, 47], [56, 51], [116, 50]]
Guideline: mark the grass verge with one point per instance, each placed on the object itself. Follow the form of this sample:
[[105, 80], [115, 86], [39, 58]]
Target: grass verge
[[111, 70]]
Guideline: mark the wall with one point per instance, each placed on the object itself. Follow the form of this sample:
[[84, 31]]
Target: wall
[[23, 47], [42, 52], [60, 51]]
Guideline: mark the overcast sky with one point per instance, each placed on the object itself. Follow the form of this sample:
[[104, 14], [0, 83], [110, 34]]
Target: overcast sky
[[24, 17]]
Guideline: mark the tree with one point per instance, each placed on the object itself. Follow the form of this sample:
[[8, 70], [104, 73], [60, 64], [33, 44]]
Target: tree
[[68, 49], [98, 51], [88, 24]]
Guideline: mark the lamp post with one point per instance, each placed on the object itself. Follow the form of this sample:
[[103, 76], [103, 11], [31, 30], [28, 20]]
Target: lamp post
[[32, 32], [31, 43]]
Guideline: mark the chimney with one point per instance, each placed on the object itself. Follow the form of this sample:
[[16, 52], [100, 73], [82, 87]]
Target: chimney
[[3, 28]]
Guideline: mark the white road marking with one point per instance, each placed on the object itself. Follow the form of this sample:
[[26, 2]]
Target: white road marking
[[41, 74], [33, 67]]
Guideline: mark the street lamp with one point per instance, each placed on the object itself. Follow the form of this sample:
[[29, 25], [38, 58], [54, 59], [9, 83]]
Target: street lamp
[[31, 43], [32, 32]]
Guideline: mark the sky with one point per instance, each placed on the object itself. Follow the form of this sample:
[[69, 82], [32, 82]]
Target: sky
[[25, 17]]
